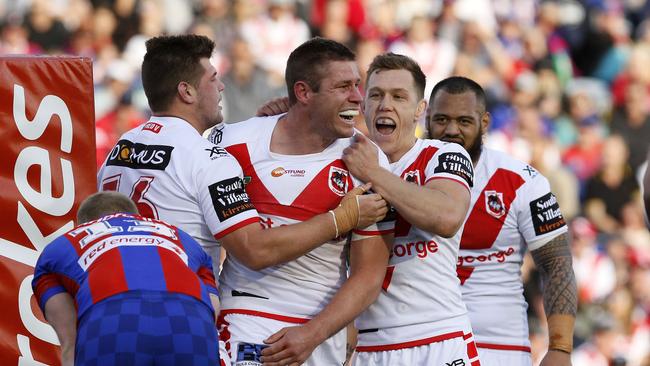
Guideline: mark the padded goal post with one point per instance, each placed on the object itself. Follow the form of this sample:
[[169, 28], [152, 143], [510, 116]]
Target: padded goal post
[[47, 167]]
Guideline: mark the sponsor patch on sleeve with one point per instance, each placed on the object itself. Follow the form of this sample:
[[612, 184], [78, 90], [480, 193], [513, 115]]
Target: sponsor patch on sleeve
[[546, 214], [140, 156], [456, 164], [229, 198]]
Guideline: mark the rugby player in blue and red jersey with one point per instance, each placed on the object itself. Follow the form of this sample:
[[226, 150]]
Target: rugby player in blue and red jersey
[[121, 289]]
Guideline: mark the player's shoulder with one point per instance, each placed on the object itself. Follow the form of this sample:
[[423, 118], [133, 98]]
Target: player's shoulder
[[495, 159], [242, 132], [438, 146]]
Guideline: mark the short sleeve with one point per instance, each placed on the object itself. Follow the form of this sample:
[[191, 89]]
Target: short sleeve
[[51, 275], [221, 193], [539, 217], [451, 161]]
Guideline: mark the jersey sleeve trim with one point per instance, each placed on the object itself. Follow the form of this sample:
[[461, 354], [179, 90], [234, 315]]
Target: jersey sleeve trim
[[283, 318], [236, 226], [51, 284], [459, 181]]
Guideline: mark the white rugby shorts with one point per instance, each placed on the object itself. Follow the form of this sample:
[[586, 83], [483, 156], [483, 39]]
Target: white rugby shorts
[[235, 328]]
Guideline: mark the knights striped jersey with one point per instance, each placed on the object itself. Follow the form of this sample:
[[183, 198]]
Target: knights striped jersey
[[120, 253], [420, 301], [288, 189], [512, 210]]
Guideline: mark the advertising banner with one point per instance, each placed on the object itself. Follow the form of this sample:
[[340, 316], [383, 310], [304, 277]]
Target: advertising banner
[[47, 167]]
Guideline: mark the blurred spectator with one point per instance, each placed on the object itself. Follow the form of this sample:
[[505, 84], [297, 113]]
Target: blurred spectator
[[604, 349], [349, 13], [273, 35], [119, 76], [14, 40], [420, 43], [632, 122], [583, 158], [247, 85], [595, 272], [613, 187], [44, 29]]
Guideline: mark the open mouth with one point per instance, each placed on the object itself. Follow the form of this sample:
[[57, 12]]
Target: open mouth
[[456, 140], [385, 126], [349, 115]]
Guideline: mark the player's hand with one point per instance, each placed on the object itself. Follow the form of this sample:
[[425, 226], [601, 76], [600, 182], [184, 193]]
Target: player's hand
[[556, 358], [289, 346], [372, 208], [274, 107], [361, 157]]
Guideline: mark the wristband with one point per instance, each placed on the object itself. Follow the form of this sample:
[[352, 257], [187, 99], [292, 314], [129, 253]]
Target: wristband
[[336, 226], [560, 332]]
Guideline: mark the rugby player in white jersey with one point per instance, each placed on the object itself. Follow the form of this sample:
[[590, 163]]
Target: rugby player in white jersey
[[174, 174], [419, 317], [294, 170], [512, 211]]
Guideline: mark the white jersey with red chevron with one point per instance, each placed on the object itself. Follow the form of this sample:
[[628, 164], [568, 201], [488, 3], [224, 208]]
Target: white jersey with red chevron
[[175, 175], [288, 189], [420, 302], [512, 210]]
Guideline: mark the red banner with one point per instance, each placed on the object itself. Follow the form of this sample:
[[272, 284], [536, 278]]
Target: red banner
[[47, 167]]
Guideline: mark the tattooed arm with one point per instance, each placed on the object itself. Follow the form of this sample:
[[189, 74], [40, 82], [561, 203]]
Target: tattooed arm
[[560, 298]]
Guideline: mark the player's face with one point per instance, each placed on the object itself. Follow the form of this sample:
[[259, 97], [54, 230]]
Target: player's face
[[392, 108], [338, 99], [458, 118], [210, 88]]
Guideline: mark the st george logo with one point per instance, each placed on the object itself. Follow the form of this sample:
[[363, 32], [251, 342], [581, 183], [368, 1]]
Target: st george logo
[[412, 177], [338, 180], [494, 203]]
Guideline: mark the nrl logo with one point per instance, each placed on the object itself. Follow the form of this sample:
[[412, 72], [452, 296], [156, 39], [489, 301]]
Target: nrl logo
[[412, 177], [338, 180], [494, 203]]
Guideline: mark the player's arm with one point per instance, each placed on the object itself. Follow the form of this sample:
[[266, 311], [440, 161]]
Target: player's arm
[[257, 248], [61, 314], [439, 206], [368, 260], [560, 297]]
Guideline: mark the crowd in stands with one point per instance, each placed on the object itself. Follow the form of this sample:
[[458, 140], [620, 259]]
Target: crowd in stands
[[568, 86]]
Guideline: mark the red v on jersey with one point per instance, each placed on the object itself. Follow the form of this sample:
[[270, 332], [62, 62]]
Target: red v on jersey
[[414, 173], [485, 221], [315, 198]]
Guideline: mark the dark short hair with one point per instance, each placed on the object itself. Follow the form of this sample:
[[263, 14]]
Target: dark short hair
[[459, 85], [392, 61], [170, 60], [105, 203], [306, 62]]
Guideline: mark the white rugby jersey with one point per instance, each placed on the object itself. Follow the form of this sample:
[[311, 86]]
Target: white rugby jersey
[[288, 189], [420, 302], [512, 208], [175, 175]]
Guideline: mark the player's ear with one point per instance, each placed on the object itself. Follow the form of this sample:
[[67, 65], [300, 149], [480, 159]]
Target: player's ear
[[302, 91], [485, 120], [421, 109], [186, 92]]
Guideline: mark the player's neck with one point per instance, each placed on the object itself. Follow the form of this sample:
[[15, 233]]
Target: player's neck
[[294, 135]]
